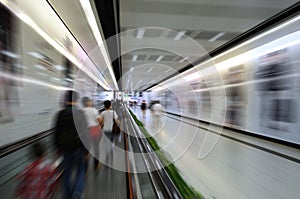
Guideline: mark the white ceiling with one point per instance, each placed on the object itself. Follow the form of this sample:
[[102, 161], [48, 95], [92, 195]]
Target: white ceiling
[[161, 21]]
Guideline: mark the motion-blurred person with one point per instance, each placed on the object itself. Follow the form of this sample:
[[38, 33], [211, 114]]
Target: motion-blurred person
[[144, 107], [70, 132], [107, 118], [93, 120], [157, 112], [40, 178]]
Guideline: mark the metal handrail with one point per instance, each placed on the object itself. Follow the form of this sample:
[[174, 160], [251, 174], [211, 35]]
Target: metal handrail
[[165, 180], [15, 146]]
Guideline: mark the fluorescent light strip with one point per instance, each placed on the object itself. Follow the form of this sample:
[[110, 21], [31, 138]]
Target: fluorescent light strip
[[26, 19], [159, 58], [243, 44], [134, 58], [9, 54], [88, 11], [140, 33], [40, 67], [158, 88], [217, 36], [36, 55], [33, 81], [55, 79], [259, 36], [179, 35], [278, 44], [59, 67]]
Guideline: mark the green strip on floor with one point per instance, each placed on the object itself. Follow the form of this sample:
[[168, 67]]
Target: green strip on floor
[[185, 190]]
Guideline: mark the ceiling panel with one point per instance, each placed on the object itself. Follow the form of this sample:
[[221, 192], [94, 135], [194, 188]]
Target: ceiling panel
[[205, 24]]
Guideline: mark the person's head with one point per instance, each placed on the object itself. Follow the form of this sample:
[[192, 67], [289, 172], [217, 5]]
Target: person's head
[[107, 104], [71, 97], [87, 102]]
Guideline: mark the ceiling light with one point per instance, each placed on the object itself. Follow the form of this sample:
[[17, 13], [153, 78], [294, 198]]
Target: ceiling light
[[59, 67], [20, 66], [87, 8], [36, 55], [158, 88], [217, 36], [33, 81], [55, 79], [192, 76], [134, 58], [140, 33], [131, 69], [224, 65], [183, 59], [273, 46], [149, 70], [26, 19], [179, 35], [159, 58], [40, 67], [9, 54]]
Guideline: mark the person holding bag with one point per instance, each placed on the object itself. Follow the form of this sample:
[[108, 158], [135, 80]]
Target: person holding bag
[[108, 117], [93, 120]]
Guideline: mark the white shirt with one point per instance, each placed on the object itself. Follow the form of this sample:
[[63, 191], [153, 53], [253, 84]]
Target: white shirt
[[91, 115], [108, 119], [158, 109]]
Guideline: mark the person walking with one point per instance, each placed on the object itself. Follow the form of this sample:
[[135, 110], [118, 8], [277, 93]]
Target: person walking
[[157, 112], [107, 118], [93, 122], [71, 133], [144, 107]]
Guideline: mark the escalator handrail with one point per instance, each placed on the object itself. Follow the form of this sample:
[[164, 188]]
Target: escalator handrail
[[15, 146], [162, 173], [147, 166]]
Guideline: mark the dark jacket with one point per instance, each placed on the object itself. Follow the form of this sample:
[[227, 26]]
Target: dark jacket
[[71, 131]]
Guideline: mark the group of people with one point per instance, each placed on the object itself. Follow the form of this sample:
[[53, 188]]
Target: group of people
[[77, 133]]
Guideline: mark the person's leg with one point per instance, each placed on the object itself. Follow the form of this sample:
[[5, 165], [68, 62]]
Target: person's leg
[[80, 157], [67, 164], [144, 113], [96, 142], [107, 144]]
